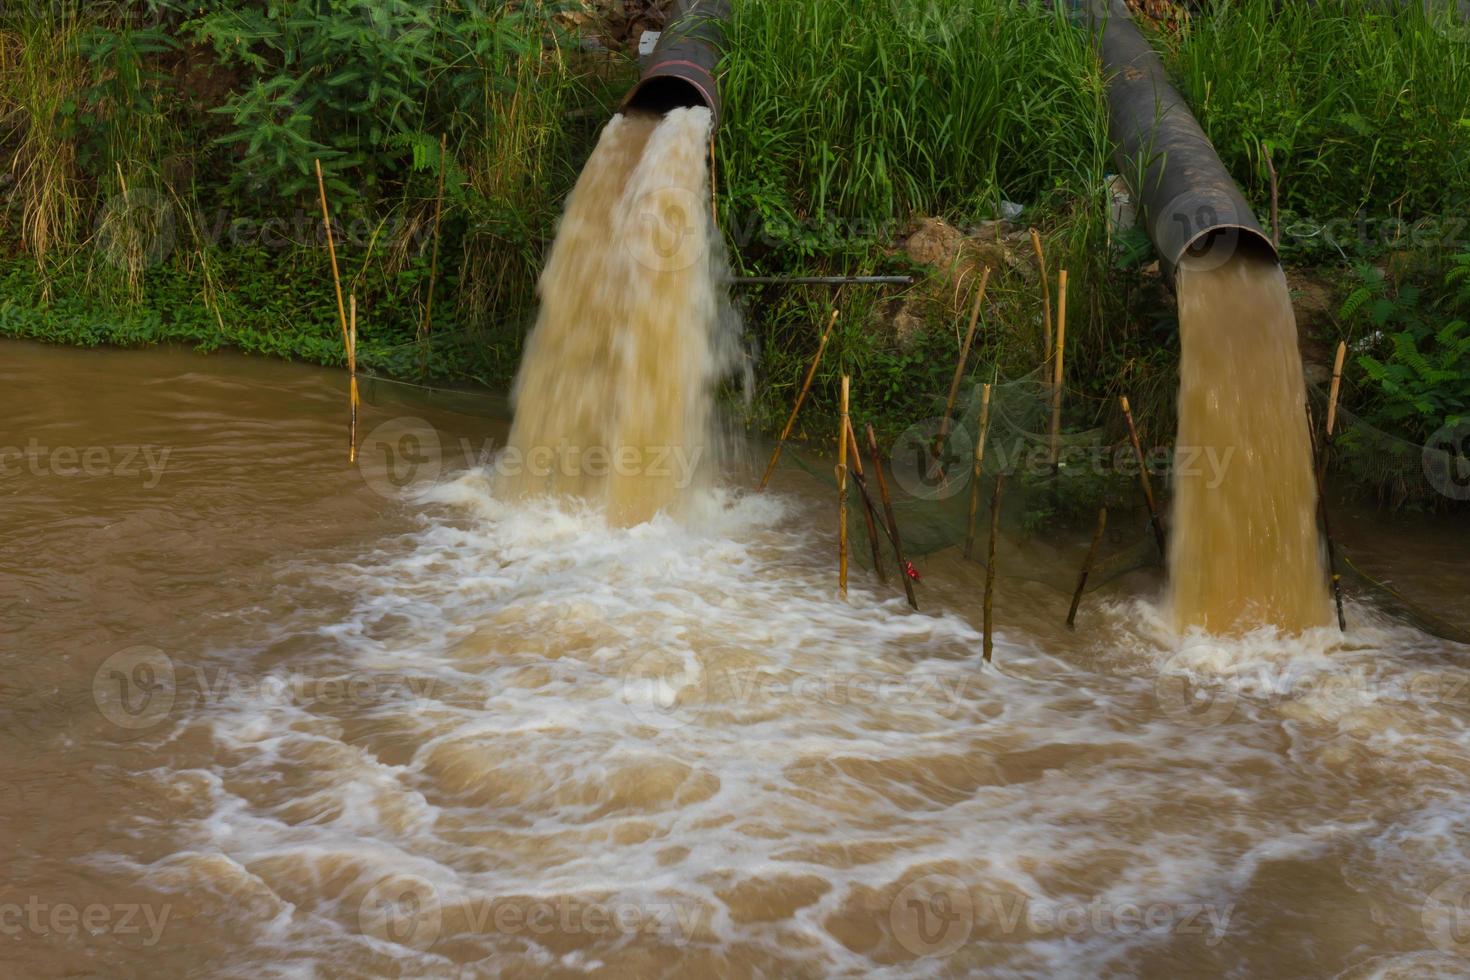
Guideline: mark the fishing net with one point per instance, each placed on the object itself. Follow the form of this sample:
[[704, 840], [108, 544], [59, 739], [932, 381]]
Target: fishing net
[[1097, 465], [939, 510], [938, 505]]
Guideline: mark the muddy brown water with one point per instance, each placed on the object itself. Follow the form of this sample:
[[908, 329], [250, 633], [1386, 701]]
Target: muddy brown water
[[266, 714], [1243, 547]]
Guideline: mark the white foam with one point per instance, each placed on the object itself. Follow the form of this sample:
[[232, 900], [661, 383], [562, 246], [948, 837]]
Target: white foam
[[659, 712]]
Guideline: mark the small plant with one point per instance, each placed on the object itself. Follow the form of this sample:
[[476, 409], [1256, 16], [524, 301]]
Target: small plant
[[1415, 357]]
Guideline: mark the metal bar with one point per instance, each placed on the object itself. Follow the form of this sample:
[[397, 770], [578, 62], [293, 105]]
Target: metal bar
[[823, 280]]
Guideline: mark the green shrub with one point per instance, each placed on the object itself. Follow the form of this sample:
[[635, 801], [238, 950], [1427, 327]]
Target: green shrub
[[1414, 354]]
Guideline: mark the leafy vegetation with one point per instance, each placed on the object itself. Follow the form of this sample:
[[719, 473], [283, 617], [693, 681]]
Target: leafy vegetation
[[1415, 355], [159, 181], [148, 140]]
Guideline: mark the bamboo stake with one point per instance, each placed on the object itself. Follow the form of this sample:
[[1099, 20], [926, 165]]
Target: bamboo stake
[[903, 565], [331, 248], [869, 511], [990, 564], [959, 368], [842, 493], [801, 397], [977, 470], [1056, 378], [1336, 387], [1148, 490], [1102, 524], [434, 261], [1045, 297], [352, 375]]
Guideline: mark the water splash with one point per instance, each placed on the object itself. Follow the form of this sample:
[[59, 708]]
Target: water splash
[[614, 398]]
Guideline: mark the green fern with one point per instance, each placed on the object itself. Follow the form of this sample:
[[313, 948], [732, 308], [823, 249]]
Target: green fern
[[1416, 370]]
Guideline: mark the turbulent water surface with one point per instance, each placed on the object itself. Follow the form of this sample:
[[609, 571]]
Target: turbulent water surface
[[265, 714]]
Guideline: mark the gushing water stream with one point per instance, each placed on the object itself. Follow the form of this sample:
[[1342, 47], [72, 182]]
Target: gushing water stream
[[1244, 549], [613, 400]]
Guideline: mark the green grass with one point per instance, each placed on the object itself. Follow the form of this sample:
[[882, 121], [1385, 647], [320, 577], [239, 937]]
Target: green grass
[[124, 130], [1364, 106], [844, 121], [881, 108]]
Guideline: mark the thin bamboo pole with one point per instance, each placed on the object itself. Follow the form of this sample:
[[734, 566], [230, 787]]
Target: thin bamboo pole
[[903, 565], [1336, 387], [331, 249], [434, 260], [1000, 479], [842, 493], [869, 511], [801, 397], [978, 469], [1102, 525], [1045, 297], [1148, 490], [1057, 367], [959, 368], [352, 383]]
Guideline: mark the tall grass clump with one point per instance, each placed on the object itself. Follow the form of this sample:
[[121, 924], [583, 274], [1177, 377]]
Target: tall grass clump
[[847, 119], [879, 109], [1364, 105], [42, 74], [180, 136]]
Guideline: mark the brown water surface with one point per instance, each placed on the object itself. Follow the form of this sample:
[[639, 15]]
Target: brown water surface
[[266, 714]]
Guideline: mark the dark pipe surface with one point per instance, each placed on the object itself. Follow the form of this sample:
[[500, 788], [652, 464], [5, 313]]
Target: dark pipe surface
[[681, 71], [1187, 198]]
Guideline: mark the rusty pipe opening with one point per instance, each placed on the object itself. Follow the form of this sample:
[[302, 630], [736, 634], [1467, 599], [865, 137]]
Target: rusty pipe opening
[[681, 71]]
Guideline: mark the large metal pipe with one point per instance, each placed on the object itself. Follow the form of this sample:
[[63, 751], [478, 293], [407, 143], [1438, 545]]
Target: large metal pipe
[[1187, 199], [681, 71]]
